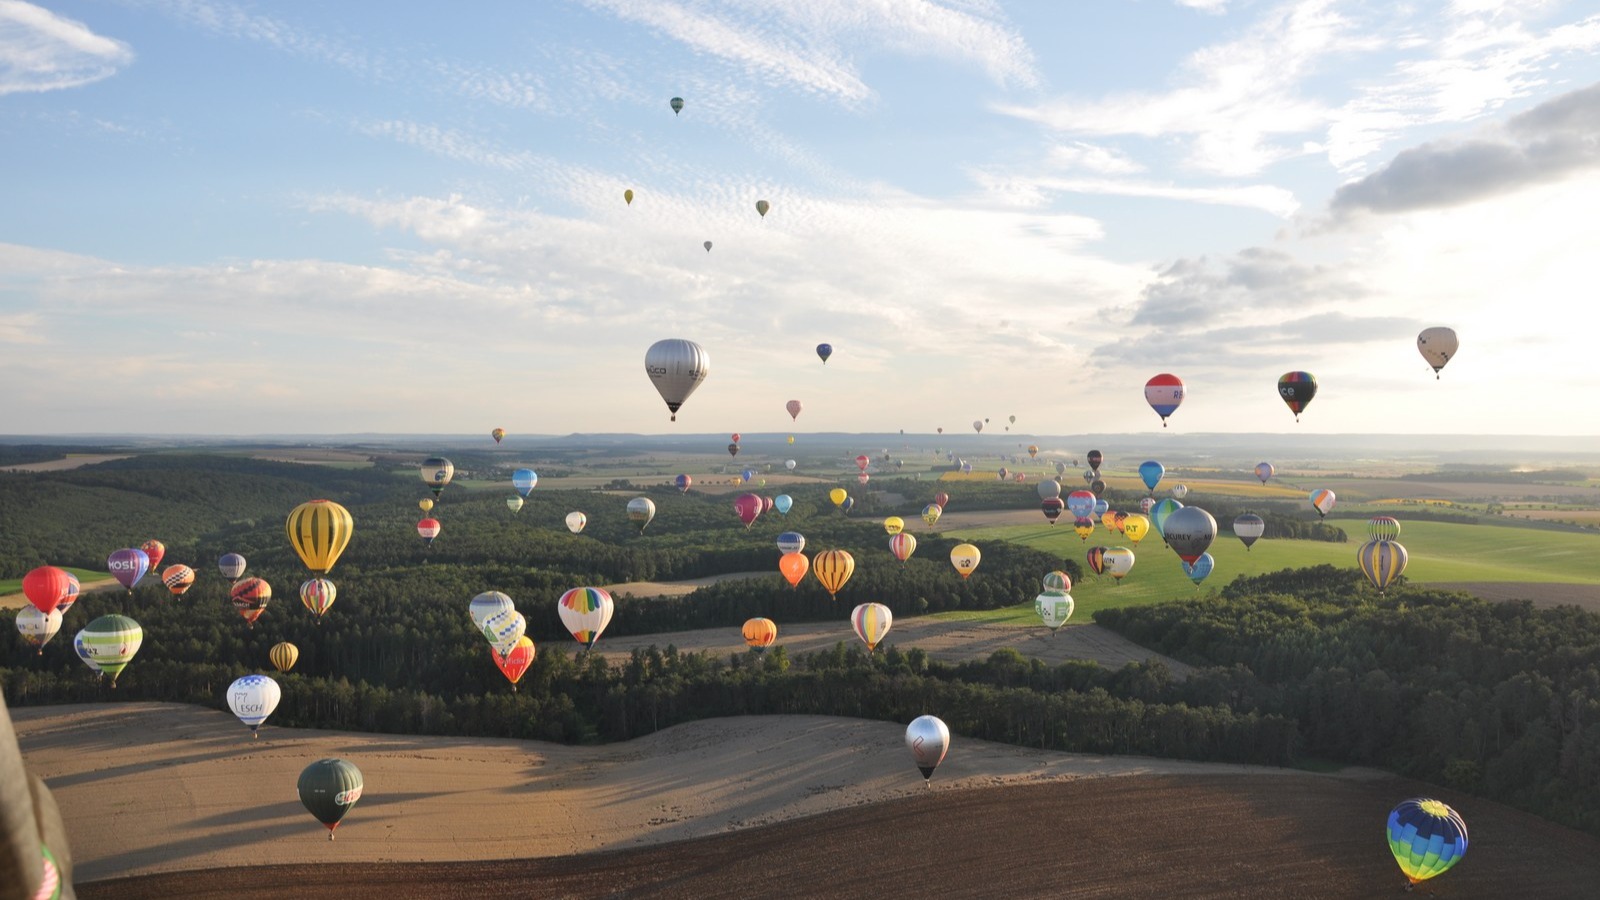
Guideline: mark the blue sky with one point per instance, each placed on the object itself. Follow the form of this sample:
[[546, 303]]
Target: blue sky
[[294, 217]]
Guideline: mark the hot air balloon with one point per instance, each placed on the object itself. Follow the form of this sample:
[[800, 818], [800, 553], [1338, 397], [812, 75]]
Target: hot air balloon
[[1164, 393], [793, 565], [1427, 837], [627, 196], [45, 587], [178, 579], [253, 698], [1095, 458], [1180, 491], [793, 406], [1090, 476], [1003, 473], [1297, 390], [747, 474], [1382, 562], [1100, 507], [862, 478], [1096, 557], [965, 558], [942, 499], [250, 597], [487, 605], [576, 520], [902, 545], [1033, 451], [1264, 470], [1097, 487], [1084, 526], [824, 351], [1053, 608], [931, 513], [585, 611], [676, 367], [524, 480], [1146, 504], [1190, 532], [871, 623], [73, 589], [504, 629], [317, 595], [156, 550], [82, 650], [677, 105], [707, 245], [1049, 489], [109, 643], [641, 510], [284, 655], [319, 531], [1322, 501], [37, 628], [762, 206], [1081, 504], [1383, 528], [838, 496], [1118, 562], [759, 634], [1438, 346], [748, 508], [499, 434], [791, 542], [127, 566], [428, 529], [436, 472], [1249, 528], [328, 789], [514, 503], [1150, 473], [928, 739], [1052, 509], [782, 503], [1160, 513], [514, 663], [683, 483], [1056, 582], [1109, 520], [833, 569], [1200, 568], [977, 425], [1135, 526]]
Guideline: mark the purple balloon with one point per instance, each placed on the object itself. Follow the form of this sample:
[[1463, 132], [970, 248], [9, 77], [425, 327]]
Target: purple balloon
[[128, 565]]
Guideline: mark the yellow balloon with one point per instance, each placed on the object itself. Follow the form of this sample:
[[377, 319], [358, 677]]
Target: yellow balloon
[[284, 656], [838, 496], [1136, 526], [628, 196], [426, 503], [319, 531], [791, 438], [1084, 528], [833, 568], [894, 524], [965, 558]]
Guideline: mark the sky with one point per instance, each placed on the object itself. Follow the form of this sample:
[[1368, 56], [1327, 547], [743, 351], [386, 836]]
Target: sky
[[291, 217]]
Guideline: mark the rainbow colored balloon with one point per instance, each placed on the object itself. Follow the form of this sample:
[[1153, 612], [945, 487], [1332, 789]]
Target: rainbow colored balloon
[[1427, 838]]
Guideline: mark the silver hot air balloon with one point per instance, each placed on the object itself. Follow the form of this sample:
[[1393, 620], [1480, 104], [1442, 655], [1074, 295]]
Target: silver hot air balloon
[[928, 739], [676, 367], [1189, 531]]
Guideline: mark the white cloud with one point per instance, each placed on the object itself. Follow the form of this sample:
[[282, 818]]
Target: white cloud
[[1035, 190], [1215, 7], [1099, 160], [41, 51]]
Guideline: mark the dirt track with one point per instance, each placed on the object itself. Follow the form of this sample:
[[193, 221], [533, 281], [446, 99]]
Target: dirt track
[[1295, 836]]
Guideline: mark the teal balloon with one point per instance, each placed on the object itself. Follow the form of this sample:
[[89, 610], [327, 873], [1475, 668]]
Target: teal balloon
[[782, 503], [1160, 512]]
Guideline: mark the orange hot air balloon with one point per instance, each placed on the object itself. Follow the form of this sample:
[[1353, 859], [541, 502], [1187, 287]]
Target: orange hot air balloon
[[155, 550], [834, 568], [514, 664], [760, 633], [250, 597], [178, 579], [794, 567]]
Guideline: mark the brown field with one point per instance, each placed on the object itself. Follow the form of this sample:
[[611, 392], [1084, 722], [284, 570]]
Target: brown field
[[72, 461], [677, 588], [1575, 516], [1542, 594]]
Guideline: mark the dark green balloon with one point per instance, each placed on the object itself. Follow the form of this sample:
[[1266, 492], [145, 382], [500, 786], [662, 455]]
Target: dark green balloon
[[328, 788]]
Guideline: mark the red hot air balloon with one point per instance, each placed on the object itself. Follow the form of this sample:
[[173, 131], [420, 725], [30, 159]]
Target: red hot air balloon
[[862, 462], [45, 587], [748, 507], [1164, 393], [793, 406], [941, 499], [155, 550]]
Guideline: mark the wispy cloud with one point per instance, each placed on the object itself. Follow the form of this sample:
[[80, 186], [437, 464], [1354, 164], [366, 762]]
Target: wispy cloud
[[1546, 144], [41, 51], [1019, 189]]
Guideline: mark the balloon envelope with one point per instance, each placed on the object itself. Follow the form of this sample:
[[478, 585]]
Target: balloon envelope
[[676, 367], [436, 472], [902, 545], [253, 698], [928, 739], [178, 579], [1057, 582], [329, 788], [488, 604], [575, 521], [37, 628], [1135, 526], [1200, 568], [514, 503], [894, 525], [250, 597], [1165, 394], [514, 663], [1049, 489], [317, 595], [1249, 528], [824, 351], [1190, 532], [1081, 503], [838, 496], [748, 508], [231, 565], [871, 622], [641, 510], [1383, 528], [833, 569], [109, 643], [965, 558], [1150, 473], [128, 565], [1427, 837], [1264, 471], [782, 503], [1118, 562], [791, 542], [524, 480], [793, 565], [1382, 562], [156, 550], [1053, 608], [45, 587], [1438, 346], [284, 655], [793, 406], [931, 513], [759, 633], [1297, 390], [1322, 501], [585, 611], [499, 434], [1161, 512], [319, 531]]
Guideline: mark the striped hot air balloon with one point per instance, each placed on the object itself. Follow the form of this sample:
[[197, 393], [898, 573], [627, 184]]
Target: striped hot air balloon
[[902, 545], [1427, 838], [1382, 562], [871, 622], [109, 643], [178, 579], [586, 611], [319, 531], [318, 595], [833, 569], [1297, 390], [284, 655], [1383, 528], [250, 597]]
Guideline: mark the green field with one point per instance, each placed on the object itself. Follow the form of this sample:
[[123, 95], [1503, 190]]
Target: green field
[[14, 585], [1438, 552]]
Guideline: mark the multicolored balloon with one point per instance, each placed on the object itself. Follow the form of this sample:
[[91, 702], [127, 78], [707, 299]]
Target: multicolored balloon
[[178, 579], [1427, 838], [1264, 470], [108, 644], [515, 663], [1165, 394], [127, 566], [931, 513], [902, 545], [1161, 512], [1383, 528], [428, 529], [1053, 608], [1084, 526], [1249, 528], [524, 480], [487, 605], [1081, 504], [1200, 568], [1382, 562], [1322, 501], [436, 472], [1297, 390], [499, 434], [1118, 562], [759, 633], [965, 558], [586, 611], [250, 597], [156, 550], [317, 595], [37, 628], [1096, 557], [871, 623]]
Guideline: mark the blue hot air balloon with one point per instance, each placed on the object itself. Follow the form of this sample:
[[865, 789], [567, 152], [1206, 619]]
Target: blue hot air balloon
[[791, 542], [524, 480], [1201, 567], [1100, 507], [1160, 512], [848, 502], [1150, 472], [824, 351], [782, 503], [1426, 837]]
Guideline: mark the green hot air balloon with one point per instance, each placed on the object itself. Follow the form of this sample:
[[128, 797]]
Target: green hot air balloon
[[762, 206], [677, 105], [110, 642], [328, 788]]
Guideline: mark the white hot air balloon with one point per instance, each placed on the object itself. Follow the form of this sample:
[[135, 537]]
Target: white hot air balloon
[[503, 630], [253, 698], [1438, 346], [641, 510], [676, 367], [586, 611], [928, 739], [488, 604], [575, 521], [1054, 608], [37, 628]]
